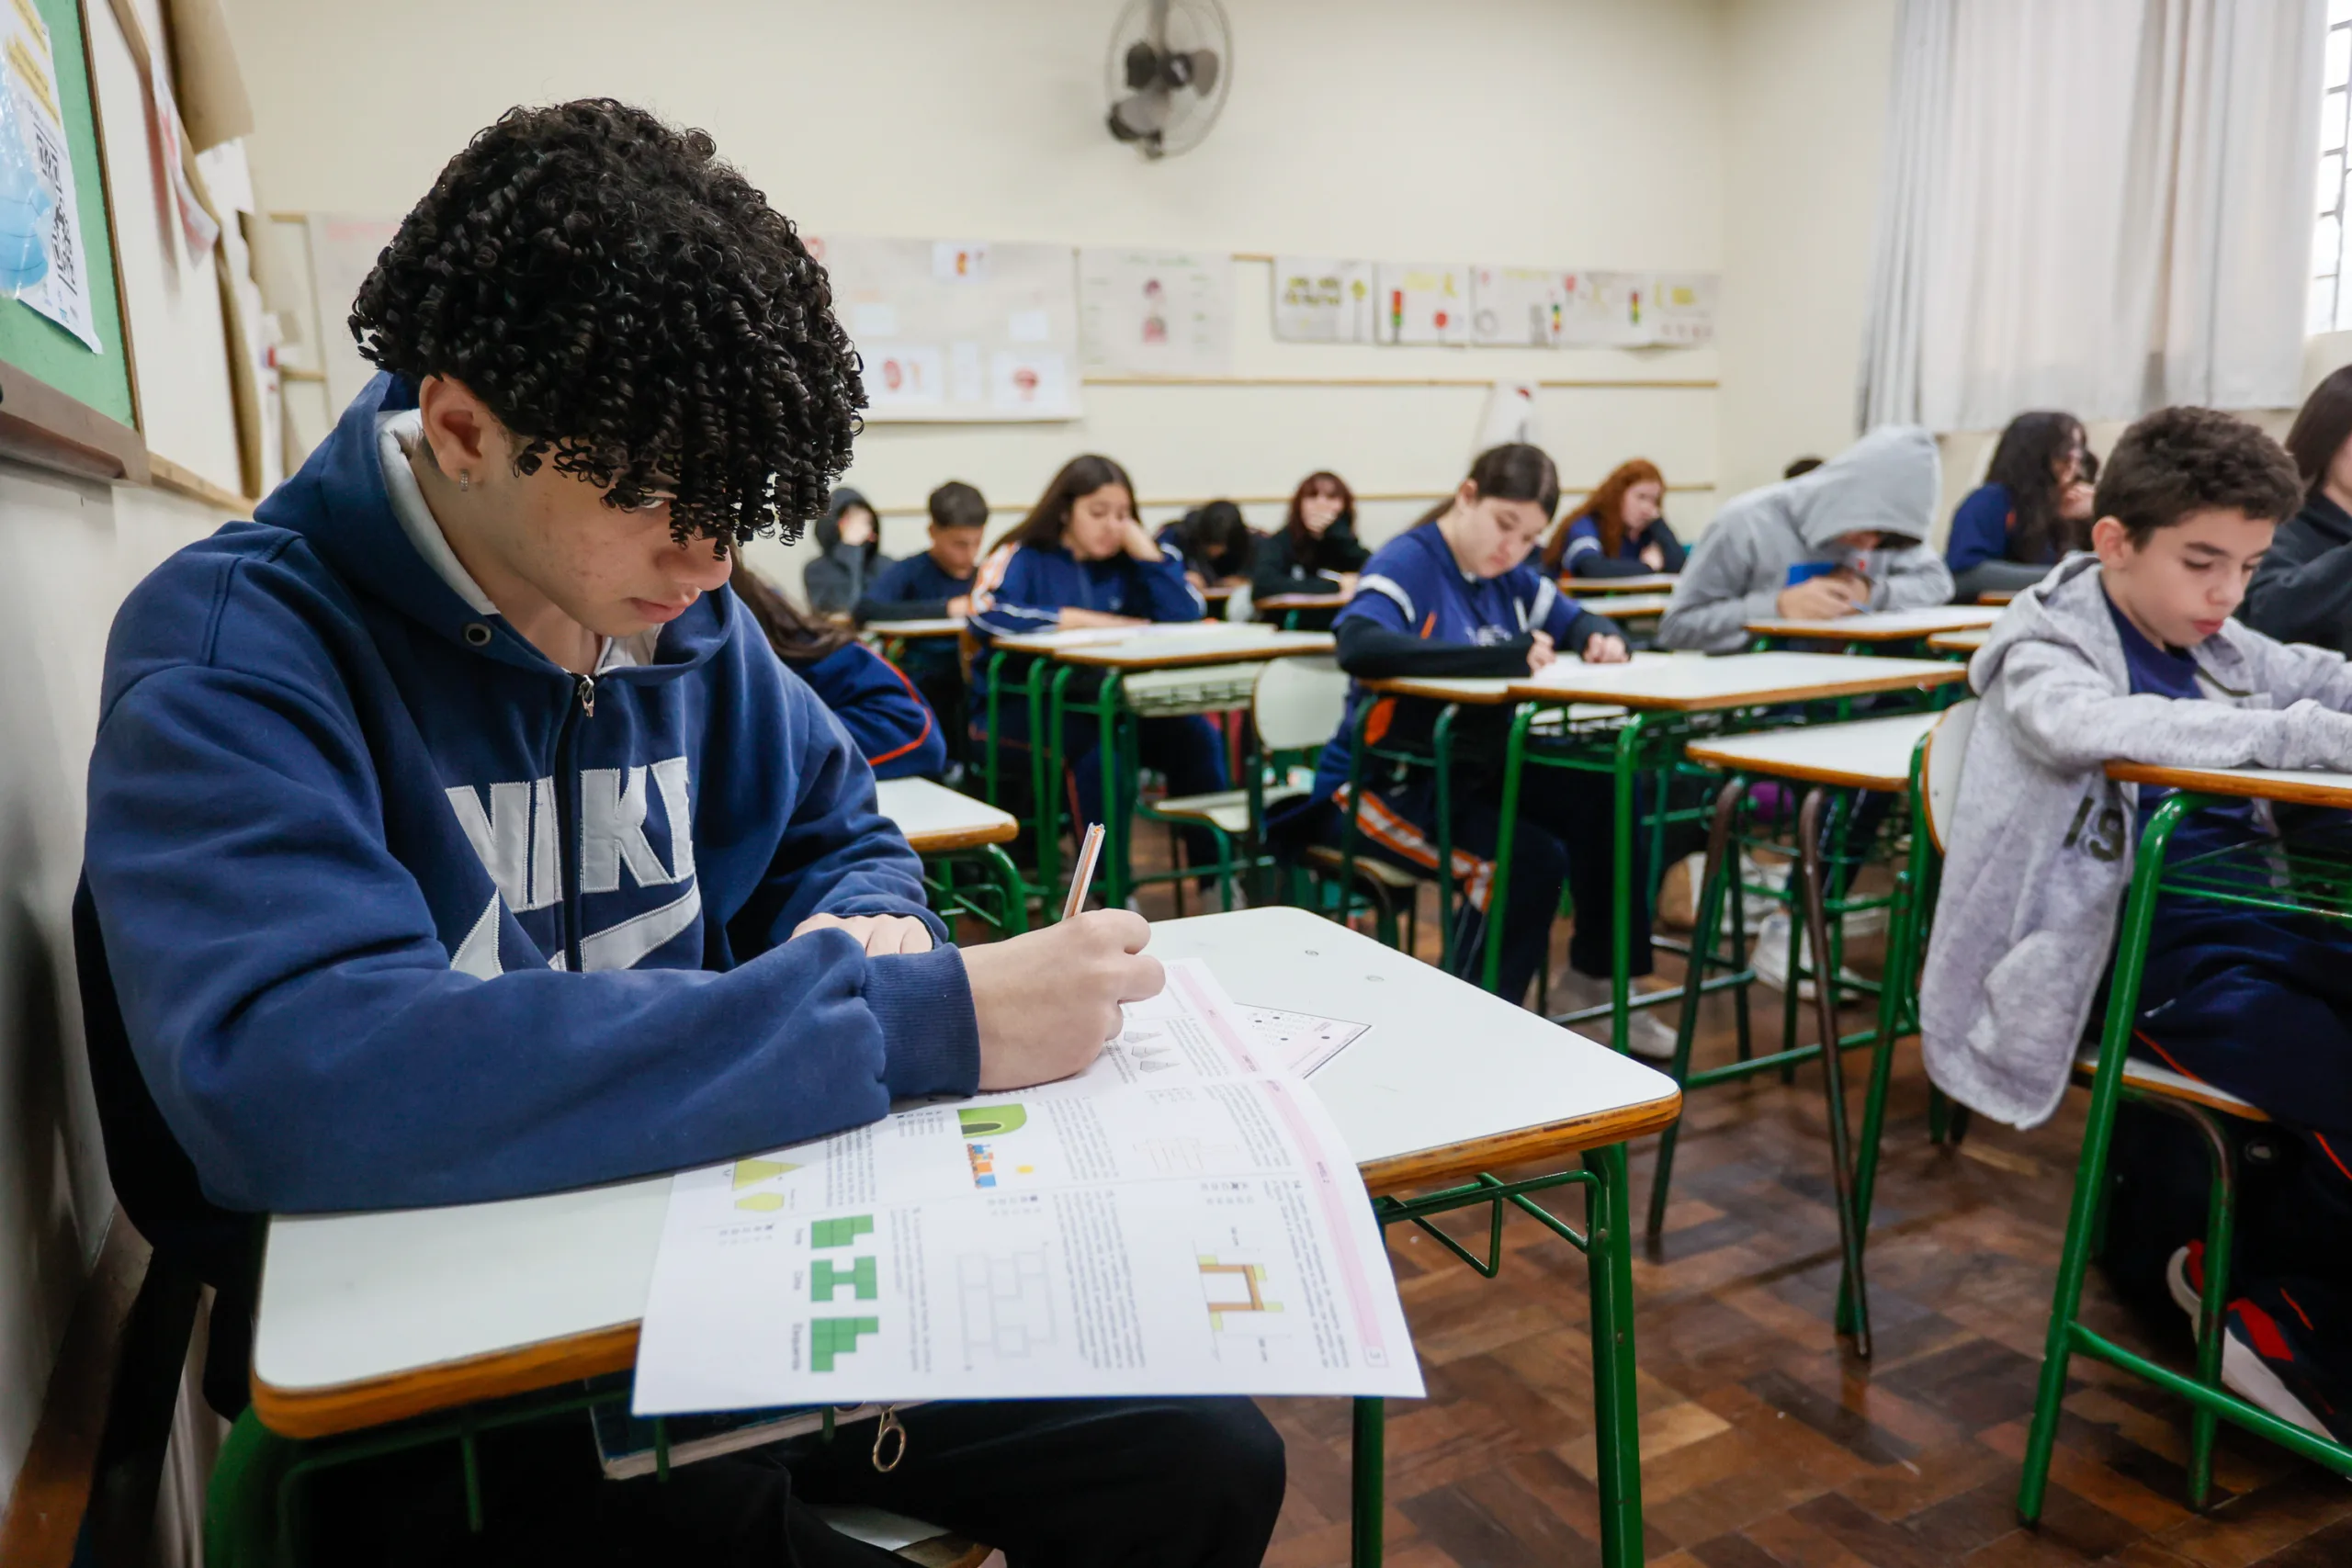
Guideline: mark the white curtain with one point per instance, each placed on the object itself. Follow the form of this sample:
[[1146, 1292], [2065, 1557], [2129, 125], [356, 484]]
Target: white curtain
[[2102, 206]]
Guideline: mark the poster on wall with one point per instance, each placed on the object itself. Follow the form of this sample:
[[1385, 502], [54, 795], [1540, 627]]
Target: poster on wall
[[1517, 307], [957, 330], [41, 257], [1609, 309], [1424, 303], [1324, 299], [1686, 307], [1147, 312]]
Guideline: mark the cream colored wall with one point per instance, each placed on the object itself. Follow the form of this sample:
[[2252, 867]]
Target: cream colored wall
[[1578, 131], [69, 551]]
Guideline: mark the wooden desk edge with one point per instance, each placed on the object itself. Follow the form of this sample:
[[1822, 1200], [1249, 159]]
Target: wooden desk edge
[[948, 838], [1792, 632], [1119, 656], [1885, 784], [1943, 675], [337, 1408], [2241, 788]]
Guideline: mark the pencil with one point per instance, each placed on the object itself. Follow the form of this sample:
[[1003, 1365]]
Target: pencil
[[1081, 876]]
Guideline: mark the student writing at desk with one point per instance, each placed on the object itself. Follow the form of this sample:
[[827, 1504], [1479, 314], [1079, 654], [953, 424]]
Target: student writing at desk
[[1216, 543], [454, 835], [1316, 552], [1457, 595], [1079, 560], [1841, 538], [2129, 653], [932, 586]]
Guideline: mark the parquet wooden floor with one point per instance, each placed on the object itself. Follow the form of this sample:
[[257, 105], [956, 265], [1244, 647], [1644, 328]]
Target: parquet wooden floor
[[1765, 1441]]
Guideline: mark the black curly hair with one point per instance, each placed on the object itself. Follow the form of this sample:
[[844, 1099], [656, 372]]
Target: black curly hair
[[631, 306], [2180, 460]]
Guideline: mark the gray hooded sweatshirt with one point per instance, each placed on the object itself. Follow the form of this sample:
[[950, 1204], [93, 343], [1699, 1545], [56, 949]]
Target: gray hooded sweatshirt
[[2039, 855], [1887, 483]]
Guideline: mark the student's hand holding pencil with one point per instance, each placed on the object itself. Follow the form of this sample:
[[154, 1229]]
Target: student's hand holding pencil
[[1046, 1001]]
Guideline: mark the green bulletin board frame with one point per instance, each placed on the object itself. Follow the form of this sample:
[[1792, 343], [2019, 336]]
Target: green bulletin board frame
[[60, 404]]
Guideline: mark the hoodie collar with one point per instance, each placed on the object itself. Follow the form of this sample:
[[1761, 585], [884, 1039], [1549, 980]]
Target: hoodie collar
[[2070, 607], [340, 504]]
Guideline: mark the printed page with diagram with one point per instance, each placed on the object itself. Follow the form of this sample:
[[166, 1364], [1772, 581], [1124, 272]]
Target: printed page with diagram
[[1180, 1219]]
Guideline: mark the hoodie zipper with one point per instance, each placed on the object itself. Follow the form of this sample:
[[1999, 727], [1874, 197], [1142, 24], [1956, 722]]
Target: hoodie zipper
[[566, 811]]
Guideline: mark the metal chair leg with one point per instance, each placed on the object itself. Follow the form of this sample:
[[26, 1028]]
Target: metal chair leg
[[1833, 1060]]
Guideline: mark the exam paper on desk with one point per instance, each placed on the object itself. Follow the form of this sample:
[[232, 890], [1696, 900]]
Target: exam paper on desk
[[1182, 1218]]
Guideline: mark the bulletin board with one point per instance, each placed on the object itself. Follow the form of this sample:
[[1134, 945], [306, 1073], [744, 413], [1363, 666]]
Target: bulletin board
[[958, 331], [61, 403]]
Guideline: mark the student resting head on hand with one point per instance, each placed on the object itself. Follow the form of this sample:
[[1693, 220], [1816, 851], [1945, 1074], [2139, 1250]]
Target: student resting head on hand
[[2033, 507], [1620, 530]]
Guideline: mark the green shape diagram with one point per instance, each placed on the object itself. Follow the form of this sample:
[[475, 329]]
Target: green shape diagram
[[831, 1336], [841, 1231], [990, 1121], [825, 1277]]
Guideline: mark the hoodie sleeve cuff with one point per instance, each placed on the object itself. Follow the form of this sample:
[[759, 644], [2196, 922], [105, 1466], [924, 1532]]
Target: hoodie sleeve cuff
[[931, 1035]]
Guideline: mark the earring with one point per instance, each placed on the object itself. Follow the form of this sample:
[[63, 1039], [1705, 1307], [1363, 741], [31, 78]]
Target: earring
[[465, 480]]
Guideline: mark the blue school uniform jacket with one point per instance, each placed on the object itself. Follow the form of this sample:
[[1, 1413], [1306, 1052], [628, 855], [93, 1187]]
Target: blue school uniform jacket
[[1980, 531], [893, 727], [1025, 588], [915, 589], [401, 913], [1412, 585]]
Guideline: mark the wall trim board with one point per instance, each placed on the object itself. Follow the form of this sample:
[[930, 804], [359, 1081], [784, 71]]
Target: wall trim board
[[179, 480], [43, 1522], [42, 426], [1155, 502], [1602, 383]]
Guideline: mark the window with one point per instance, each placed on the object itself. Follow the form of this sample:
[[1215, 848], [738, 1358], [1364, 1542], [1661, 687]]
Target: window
[[2331, 304]]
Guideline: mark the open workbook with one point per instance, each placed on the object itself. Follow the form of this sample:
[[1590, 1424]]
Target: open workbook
[[1180, 1219]]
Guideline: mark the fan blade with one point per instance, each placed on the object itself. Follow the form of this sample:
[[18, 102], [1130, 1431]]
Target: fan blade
[[1140, 116], [1204, 70], [1143, 66]]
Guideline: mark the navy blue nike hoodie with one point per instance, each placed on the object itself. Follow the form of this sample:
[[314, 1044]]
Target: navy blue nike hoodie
[[401, 913]]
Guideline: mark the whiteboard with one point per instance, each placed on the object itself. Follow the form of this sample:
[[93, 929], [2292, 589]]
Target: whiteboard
[[958, 331]]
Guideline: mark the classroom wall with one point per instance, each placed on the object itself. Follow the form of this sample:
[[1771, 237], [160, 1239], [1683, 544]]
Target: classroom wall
[[1381, 129], [69, 551]]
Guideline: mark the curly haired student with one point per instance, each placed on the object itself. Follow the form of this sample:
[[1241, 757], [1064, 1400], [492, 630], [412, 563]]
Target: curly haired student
[[455, 835]]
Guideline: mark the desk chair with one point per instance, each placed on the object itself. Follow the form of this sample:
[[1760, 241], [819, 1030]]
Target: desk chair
[[1294, 705]]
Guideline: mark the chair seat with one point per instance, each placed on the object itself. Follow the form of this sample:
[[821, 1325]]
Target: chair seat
[[1227, 810], [1327, 859], [2149, 1078]]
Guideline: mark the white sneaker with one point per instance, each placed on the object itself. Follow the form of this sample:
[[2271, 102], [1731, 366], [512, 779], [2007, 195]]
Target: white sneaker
[[1650, 1036], [1653, 1037], [1770, 956]]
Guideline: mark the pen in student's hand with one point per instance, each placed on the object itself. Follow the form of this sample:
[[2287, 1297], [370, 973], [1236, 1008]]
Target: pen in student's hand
[[1081, 876]]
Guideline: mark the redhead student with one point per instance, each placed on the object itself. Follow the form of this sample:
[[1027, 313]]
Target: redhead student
[[2034, 506], [1080, 559], [1620, 529], [1459, 594], [892, 727], [1316, 552]]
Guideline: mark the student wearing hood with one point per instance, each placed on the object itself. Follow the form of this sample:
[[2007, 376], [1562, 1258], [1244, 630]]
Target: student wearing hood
[[849, 537], [1847, 536]]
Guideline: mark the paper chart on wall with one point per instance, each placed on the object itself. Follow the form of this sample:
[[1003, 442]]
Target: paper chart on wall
[[1424, 303], [1686, 307], [1606, 310], [1517, 307], [1146, 312], [42, 259], [957, 330], [1324, 299], [1180, 1219]]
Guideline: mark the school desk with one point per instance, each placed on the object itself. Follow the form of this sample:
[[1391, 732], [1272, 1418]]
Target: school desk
[[916, 631], [1626, 609], [367, 1319], [1674, 697], [1159, 671], [2309, 882], [1959, 642], [1876, 625], [1873, 754], [1646, 582], [1997, 595], [944, 827], [1283, 609]]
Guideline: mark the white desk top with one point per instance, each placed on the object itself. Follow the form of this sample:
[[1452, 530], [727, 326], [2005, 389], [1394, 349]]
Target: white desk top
[[361, 1298], [934, 818], [2301, 785], [1959, 642], [1870, 753], [1739, 680], [1232, 642], [1648, 582], [1882, 625], [945, 626], [1631, 606]]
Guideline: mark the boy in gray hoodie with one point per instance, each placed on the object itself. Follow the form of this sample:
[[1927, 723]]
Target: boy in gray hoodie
[[1854, 528], [2129, 653]]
